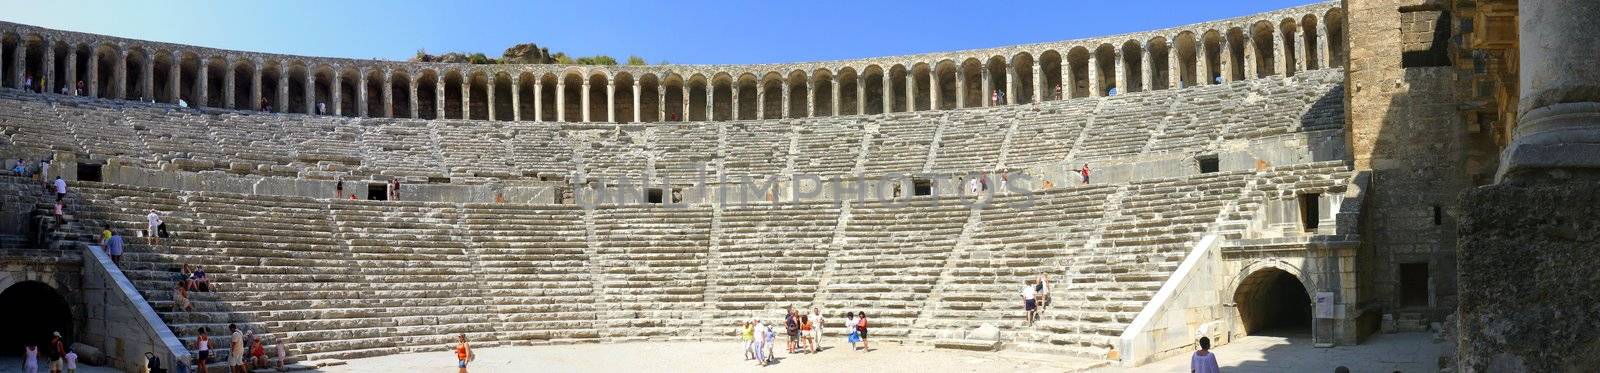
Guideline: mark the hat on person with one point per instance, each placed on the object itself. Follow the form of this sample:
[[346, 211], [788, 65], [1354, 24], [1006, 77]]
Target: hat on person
[[57, 334]]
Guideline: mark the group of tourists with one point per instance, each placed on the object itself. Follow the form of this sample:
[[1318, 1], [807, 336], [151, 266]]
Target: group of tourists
[[758, 339], [56, 354], [246, 351], [1035, 296]]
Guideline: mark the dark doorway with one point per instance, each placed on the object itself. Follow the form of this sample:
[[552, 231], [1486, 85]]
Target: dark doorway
[[378, 192], [1310, 213], [1414, 284], [1208, 164], [1272, 301], [33, 310], [653, 196], [921, 187], [89, 172]]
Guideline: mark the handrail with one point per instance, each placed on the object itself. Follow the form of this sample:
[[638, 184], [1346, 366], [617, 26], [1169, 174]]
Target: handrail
[[176, 355]]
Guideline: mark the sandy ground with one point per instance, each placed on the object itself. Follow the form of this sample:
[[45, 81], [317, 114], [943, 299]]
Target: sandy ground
[[714, 357], [1404, 352]]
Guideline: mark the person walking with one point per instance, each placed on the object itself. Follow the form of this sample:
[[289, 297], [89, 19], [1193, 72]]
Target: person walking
[[202, 346], [57, 353], [1084, 173], [61, 193], [808, 338], [850, 324], [283, 352], [1043, 289], [463, 353], [114, 247], [338, 189], [72, 362], [236, 349], [758, 342], [861, 328], [747, 339], [816, 324], [791, 325], [1029, 302], [30, 360], [1204, 361], [154, 219]]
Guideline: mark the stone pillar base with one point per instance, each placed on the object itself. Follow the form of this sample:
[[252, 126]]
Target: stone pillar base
[[1529, 277]]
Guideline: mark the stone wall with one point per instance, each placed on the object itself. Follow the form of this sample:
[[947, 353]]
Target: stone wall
[[119, 321]]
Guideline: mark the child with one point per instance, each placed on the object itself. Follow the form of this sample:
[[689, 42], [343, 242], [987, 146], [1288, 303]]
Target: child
[[72, 362]]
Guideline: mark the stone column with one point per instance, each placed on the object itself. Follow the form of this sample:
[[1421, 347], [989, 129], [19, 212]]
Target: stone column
[[987, 84], [488, 92], [92, 81], [411, 96], [119, 86], [811, 98], [538, 99], [561, 99], [1301, 53], [1069, 81], [48, 81], [516, 97], [911, 89], [227, 83], [19, 61], [1280, 62], [1144, 69], [361, 93], [388, 93], [255, 85], [147, 78], [202, 83], [611, 100], [466, 96], [333, 93], [1323, 58], [311, 91], [686, 101], [1120, 72], [1249, 62], [861, 94], [711, 95], [438, 96], [72, 71], [961, 83], [1011, 84], [1094, 75], [1039, 83], [833, 100], [661, 102], [1224, 60], [761, 102], [933, 90], [783, 104], [733, 94], [636, 100], [1174, 65], [1558, 112], [888, 93]]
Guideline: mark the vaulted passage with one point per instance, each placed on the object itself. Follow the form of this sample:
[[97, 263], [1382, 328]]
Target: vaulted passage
[[1272, 301], [32, 311]]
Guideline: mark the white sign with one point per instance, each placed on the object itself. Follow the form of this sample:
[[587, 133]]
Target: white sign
[[1324, 303]]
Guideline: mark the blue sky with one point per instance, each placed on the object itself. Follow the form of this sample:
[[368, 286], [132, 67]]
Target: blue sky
[[690, 31]]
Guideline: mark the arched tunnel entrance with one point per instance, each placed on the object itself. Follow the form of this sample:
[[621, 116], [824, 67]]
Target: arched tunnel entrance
[[32, 310], [1273, 301]]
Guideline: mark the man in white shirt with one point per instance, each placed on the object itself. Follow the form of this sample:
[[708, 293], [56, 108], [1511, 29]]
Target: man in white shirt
[[236, 350], [1028, 301], [155, 223]]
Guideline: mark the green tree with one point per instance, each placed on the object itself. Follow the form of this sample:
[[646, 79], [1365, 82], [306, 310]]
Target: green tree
[[635, 60]]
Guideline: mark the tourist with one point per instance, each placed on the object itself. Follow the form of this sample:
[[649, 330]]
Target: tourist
[[183, 103], [816, 321], [235, 349], [1204, 361], [861, 328], [57, 352], [27, 82], [746, 333], [463, 353], [181, 297], [758, 343], [772, 341], [20, 168], [64, 90], [791, 325], [105, 234], [201, 282], [1043, 289], [807, 338], [30, 361], [72, 361], [322, 108], [152, 364], [283, 352], [114, 249], [850, 324], [1058, 92], [154, 219], [258, 354], [1084, 173], [202, 346], [81, 90], [1028, 301], [61, 189], [338, 188]]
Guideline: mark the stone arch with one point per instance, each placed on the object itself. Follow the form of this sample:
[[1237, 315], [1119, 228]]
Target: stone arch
[[673, 88], [453, 103], [1022, 87], [623, 82], [1212, 42], [9, 42], [527, 100], [872, 89], [1132, 66], [133, 74], [971, 75], [33, 62], [822, 82], [350, 89], [772, 96], [244, 72], [59, 80], [1261, 41], [1078, 70], [322, 89], [106, 69], [922, 96], [998, 82], [476, 96], [599, 103], [649, 98], [722, 105], [1159, 52], [1188, 61], [162, 88], [796, 85], [271, 74], [697, 98], [945, 73], [504, 109], [849, 100], [898, 101], [1308, 30], [34, 310], [547, 97], [1236, 41], [400, 93], [374, 90], [1050, 71], [746, 107], [1106, 65], [1288, 29], [81, 73], [216, 83], [1334, 19], [1272, 296], [428, 94], [298, 89]]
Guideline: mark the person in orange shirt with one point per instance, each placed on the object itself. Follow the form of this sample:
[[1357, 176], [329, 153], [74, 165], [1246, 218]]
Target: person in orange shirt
[[808, 335], [463, 353]]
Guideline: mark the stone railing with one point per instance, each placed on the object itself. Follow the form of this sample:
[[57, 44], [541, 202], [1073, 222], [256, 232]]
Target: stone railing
[[130, 326]]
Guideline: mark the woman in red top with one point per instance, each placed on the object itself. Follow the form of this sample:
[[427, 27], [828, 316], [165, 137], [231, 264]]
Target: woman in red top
[[463, 353], [861, 328], [807, 334]]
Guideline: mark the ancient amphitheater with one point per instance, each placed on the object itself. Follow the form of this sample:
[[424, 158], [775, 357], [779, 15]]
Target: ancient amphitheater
[[1292, 170]]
